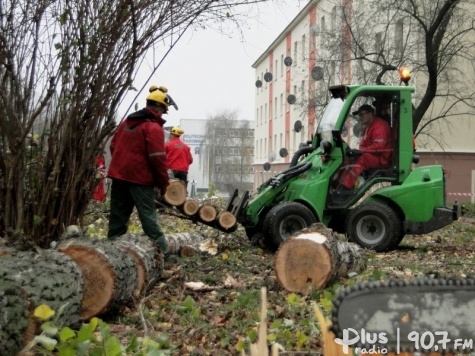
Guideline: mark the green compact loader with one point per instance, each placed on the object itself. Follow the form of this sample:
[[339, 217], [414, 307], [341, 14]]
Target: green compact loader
[[385, 205]]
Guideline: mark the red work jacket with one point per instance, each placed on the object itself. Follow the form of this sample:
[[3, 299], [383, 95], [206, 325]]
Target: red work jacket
[[377, 140], [179, 155], [138, 150]]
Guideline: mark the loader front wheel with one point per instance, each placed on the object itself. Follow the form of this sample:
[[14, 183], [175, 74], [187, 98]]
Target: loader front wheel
[[375, 226], [284, 219]]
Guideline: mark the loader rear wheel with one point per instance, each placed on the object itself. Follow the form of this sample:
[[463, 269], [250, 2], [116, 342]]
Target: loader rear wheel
[[284, 219], [375, 226]]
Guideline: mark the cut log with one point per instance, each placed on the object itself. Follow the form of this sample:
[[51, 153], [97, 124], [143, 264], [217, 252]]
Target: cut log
[[313, 257], [208, 213], [17, 323], [176, 193], [28, 279], [226, 221], [178, 242], [109, 274], [147, 258], [190, 207]]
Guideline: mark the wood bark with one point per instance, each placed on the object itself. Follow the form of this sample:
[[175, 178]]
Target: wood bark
[[183, 243], [109, 274], [15, 317], [313, 258], [176, 193], [147, 258], [28, 279]]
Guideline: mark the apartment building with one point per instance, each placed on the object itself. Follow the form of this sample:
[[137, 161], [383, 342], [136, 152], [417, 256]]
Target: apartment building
[[317, 50]]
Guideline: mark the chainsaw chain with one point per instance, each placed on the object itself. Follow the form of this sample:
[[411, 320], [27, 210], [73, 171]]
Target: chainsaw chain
[[389, 285]]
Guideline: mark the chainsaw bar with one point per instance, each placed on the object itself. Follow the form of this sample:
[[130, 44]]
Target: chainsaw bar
[[407, 316]]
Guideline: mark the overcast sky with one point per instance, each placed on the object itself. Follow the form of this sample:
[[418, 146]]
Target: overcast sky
[[207, 72]]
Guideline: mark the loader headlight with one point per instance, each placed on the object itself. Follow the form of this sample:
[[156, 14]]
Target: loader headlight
[[405, 75]]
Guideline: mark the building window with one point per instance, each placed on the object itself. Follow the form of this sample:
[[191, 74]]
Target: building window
[[378, 42], [281, 103], [399, 35], [304, 47], [333, 73], [296, 52], [333, 19], [281, 65], [302, 89], [275, 69], [323, 26], [265, 113], [281, 141], [275, 107]]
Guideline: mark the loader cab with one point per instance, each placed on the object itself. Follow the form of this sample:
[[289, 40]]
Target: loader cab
[[349, 137]]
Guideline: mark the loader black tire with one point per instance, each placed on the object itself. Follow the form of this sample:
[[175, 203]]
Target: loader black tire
[[374, 226], [285, 219]]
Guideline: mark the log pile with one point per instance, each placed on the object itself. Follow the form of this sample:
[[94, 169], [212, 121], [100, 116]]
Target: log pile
[[81, 277], [205, 212], [313, 258]]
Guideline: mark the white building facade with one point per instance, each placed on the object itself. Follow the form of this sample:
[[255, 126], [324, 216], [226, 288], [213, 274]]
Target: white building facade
[[299, 66]]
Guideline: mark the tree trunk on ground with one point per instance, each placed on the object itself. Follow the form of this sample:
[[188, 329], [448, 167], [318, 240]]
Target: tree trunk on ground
[[207, 213], [109, 274], [28, 279], [178, 243], [176, 193], [226, 221], [313, 257], [147, 258], [15, 315], [190, 207]]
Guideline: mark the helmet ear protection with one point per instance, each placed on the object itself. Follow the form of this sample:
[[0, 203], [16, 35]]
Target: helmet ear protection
[[177, 131], [164, 90], [157, 97]]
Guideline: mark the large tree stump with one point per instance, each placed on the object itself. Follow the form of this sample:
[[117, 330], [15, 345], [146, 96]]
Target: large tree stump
[[176, 193], [28, 279], [147, 258], [109, 274], [313, 257]]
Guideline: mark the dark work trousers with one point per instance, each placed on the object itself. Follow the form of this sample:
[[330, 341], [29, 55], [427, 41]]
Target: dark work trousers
[[183, 176], [124, 196]]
